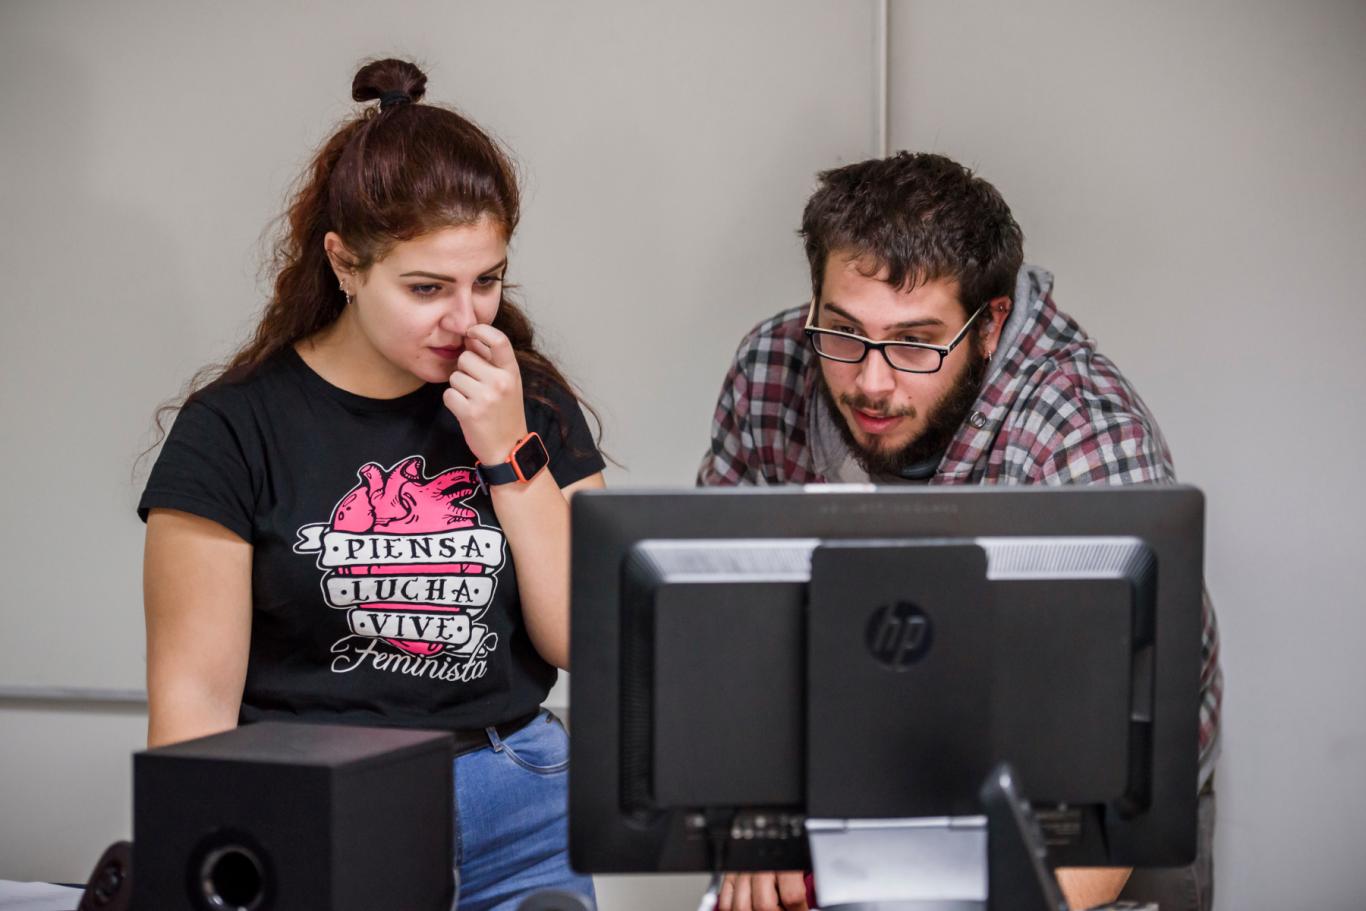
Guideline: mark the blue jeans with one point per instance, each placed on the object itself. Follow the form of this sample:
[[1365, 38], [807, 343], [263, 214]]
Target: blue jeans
[[512, 818]]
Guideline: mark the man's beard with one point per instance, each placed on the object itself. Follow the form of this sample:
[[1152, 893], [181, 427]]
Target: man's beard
[[944, 418]]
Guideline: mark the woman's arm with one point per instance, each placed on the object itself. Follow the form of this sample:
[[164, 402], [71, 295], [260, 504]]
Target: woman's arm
[[535, 518], [486, 398], [196, 582]]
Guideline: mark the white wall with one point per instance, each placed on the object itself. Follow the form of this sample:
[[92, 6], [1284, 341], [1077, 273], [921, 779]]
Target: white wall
[[1195, 175], [667, 149]]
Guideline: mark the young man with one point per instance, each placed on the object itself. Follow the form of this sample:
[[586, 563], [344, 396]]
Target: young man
[[930, 354]]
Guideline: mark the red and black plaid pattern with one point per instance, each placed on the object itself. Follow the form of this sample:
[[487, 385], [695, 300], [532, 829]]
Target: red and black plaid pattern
[[1053, 411]]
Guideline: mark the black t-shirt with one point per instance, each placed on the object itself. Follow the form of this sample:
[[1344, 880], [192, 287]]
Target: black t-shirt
[[383, 590]]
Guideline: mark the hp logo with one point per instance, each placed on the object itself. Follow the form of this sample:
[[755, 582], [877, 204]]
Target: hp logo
[[899, 635]]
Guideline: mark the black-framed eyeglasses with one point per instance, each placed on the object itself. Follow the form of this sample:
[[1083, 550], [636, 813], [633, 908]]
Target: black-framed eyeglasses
[[909, 357]]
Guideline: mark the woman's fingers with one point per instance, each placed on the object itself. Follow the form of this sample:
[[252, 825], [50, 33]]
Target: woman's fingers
[[498, 348], [476, 365], [469, 387], [455, 401]]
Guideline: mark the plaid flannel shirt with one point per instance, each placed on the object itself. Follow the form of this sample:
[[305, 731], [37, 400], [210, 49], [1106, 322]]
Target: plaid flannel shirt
[[1052, 411]]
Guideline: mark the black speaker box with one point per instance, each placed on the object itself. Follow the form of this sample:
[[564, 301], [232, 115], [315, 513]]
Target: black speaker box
[[295, 817]]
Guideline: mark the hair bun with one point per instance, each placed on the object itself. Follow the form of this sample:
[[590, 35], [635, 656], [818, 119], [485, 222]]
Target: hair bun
[[381, 78]]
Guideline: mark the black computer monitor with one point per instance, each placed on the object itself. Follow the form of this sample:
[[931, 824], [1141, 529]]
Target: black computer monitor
[[760, 656]]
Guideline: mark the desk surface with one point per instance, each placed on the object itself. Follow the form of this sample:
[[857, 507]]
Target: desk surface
[[37, 897]]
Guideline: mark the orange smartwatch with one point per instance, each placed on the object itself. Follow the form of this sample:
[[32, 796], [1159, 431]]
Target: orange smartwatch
[[527, 459]]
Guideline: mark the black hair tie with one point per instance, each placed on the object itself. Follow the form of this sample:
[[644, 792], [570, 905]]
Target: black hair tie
[[389, 99]]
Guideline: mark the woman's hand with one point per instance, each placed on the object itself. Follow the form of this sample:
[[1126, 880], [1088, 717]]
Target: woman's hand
[[486, 395]]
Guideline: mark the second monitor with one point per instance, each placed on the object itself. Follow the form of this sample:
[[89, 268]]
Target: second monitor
[[764, 656]]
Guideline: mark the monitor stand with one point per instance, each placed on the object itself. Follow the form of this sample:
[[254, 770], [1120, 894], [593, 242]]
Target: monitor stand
[[992, 862]]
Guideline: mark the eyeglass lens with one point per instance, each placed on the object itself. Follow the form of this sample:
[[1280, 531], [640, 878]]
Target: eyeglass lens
[[903, 357]]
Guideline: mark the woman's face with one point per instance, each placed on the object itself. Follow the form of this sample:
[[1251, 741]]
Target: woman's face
[[415, 305]]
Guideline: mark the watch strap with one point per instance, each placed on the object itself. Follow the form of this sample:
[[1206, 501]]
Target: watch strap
[[492, 475]]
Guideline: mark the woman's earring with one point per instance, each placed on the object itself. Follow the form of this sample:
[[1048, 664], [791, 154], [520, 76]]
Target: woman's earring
[[346, 291]]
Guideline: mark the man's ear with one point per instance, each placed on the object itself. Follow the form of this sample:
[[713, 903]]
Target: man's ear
[[998, 311], [339, 256]]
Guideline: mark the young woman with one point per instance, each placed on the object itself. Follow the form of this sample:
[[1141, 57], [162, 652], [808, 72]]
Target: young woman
[[363, 518]]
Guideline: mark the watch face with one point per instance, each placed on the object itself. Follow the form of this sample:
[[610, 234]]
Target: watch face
[[531, 456]]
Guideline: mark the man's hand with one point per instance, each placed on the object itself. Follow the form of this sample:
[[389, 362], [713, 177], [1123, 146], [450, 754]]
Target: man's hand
[[1086, 887], [763, 892]]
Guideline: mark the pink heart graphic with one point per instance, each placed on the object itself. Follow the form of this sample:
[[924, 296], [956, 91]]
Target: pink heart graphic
[[399, 501]]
